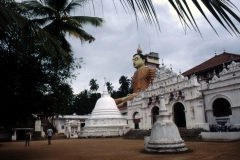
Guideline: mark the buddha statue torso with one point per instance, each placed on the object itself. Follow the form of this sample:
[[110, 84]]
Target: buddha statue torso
[[142, 78]]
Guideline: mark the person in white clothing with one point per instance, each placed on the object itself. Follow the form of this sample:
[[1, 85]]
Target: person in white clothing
[[49, 134]]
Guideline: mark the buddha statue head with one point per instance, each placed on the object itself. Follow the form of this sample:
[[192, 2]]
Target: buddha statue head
[[138, 60]]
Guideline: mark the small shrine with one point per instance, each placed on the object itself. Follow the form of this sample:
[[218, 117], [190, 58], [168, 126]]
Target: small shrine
[[72, 128]]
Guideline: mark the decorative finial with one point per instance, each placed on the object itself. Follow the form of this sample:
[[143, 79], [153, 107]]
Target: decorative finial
[[215, 53], [139, 50], [180, 71], [223, 49], [105, 80], [162, 63], [171, 67]]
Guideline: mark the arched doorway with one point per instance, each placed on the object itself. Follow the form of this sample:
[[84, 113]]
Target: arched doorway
[[155, 111], [179, 115], [221, 108], [136, 120]]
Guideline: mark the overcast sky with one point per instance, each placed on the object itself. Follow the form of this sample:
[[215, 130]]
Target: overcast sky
[[110, 55]]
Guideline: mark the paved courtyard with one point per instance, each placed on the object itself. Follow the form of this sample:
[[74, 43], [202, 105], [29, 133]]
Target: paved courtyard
[[113, 148]]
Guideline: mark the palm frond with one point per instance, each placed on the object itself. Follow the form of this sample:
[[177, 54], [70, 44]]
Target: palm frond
[[42, 21], [74, 22], [7, 17], [95, 21], [220, 9], [11, 22], [73, 5], [35, 8], [146, 9], [77, 32], [51, 45]]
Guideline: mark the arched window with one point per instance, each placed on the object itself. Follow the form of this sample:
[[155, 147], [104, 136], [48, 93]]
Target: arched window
[[221, 108]]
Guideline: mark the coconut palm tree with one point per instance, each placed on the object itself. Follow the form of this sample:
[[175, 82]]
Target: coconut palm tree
[[12, 23], [124, 85], [93, 85], [109, 87], [55, 18]]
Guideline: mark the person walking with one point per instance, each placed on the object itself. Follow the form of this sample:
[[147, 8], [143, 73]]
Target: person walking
[[27, 137], [49, 134]]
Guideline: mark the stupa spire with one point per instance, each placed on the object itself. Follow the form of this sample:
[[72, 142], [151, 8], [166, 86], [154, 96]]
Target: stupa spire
[[105, 90]]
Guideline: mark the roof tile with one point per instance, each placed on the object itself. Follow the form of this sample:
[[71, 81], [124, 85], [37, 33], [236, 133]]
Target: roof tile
[[212, 62]]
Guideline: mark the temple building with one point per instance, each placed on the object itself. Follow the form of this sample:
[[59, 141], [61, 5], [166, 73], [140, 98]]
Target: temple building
[[204, 96], [199, 98]]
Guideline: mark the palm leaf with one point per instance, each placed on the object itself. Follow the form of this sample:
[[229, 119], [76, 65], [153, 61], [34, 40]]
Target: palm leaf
[[35, 8], [218, 8], [42, 21], [77, 32], [73, 5], [146, 9], [95, 21]]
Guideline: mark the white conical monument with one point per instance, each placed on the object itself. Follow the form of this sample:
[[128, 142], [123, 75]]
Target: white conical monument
[[165, 136], [105, 120]]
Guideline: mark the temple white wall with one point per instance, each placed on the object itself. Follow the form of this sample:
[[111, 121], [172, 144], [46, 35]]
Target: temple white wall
[[166, 83], [226, 86]]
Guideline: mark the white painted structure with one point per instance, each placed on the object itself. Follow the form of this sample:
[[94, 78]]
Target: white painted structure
[[165, 136], [188, 101], [60, 122], [72, 128], [182, 96], [105, 120], [225, 88]]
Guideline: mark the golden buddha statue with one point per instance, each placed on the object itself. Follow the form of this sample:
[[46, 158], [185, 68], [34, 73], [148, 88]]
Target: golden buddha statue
[[141, 79]]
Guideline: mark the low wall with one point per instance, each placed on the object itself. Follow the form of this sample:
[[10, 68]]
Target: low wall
[[220, 136], [5, 135]]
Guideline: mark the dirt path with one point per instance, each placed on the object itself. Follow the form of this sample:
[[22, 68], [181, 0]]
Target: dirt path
[[113, 148]]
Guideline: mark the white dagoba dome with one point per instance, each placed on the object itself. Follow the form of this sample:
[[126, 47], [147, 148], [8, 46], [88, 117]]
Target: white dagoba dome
[[105, 107], [105, 120]]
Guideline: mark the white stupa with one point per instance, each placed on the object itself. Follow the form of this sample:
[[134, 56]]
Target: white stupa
[[165, 136], [105, 120]]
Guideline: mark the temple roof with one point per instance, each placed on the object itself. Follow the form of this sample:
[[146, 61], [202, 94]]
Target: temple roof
[[213, 62]]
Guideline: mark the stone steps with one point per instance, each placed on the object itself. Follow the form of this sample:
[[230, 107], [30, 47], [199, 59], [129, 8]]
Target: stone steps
[[137, 134]]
